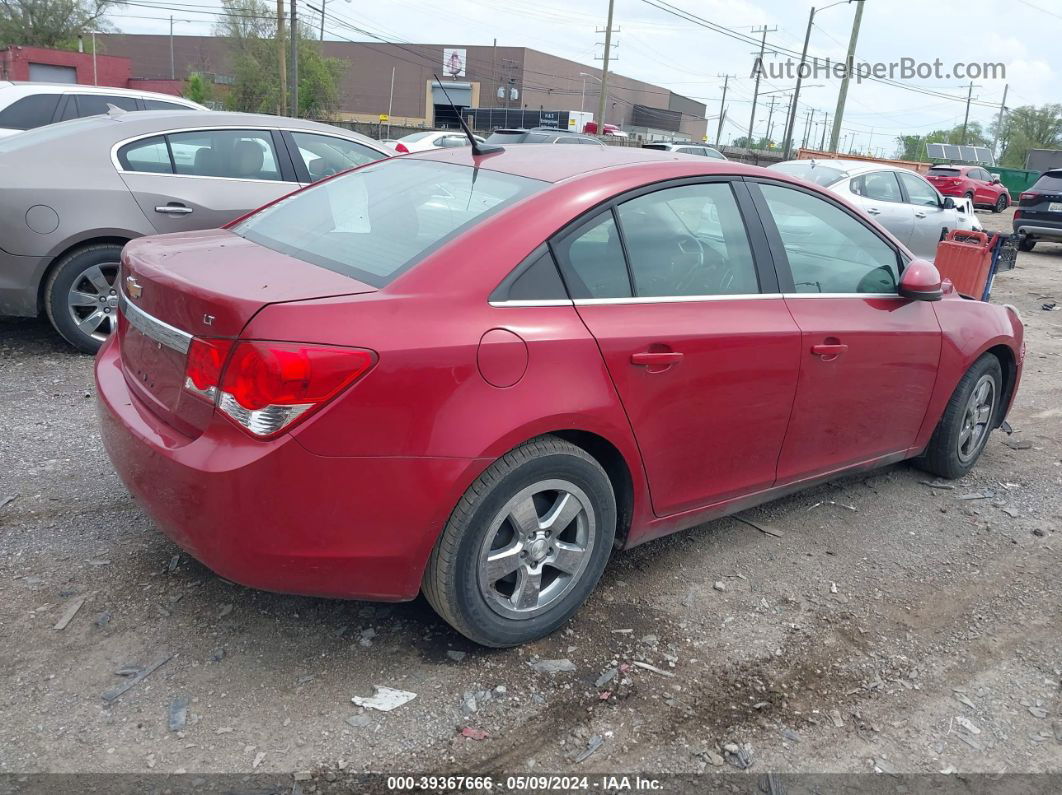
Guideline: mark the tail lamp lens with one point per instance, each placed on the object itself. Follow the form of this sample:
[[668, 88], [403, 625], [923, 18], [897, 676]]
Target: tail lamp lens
[[401, 148], [1024, 196], [266, 386]]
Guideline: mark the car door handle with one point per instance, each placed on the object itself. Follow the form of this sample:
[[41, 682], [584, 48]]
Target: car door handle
[[920, 214], [828, 349], [173, 209], [655, 359], [873, 211]]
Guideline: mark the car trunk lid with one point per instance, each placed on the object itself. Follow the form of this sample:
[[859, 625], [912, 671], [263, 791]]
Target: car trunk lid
[[201, 284]]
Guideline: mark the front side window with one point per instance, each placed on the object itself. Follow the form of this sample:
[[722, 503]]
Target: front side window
[[829, 251], [236, 154], [29, 112], [688, 240], [380, 220], [918, 190], [324, 155]]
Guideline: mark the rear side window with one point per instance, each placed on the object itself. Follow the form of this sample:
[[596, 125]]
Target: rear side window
[[1050, 181], [594, 259], [149, 155], [380, 220], [235, 154], [536, 279], [828, 250], [688, 240], [29, 112], [97, 104], [158, 104], [879, 185]]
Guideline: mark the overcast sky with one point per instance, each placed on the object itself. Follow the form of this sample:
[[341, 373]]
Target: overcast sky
[[655, 46]]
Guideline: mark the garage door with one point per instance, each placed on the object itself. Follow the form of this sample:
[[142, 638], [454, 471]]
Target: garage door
[[49, 73]]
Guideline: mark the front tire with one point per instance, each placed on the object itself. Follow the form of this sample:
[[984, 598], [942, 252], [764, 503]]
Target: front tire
[[1001, 204], [969, 418], [525, 546], [81, 295]]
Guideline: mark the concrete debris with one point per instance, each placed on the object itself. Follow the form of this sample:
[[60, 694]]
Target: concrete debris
[[965, 701], [258, 760], [1038, 712], [103, 619], [225, 610], [739, 756], [359, 721], [652, 668], [178, 714], [883, 766], [173, 563], [720, 585], [1017, 444], [456, 656], [835, 716], [474, 734], [607, 677], [385, 699], [553, 666], [968, 724]]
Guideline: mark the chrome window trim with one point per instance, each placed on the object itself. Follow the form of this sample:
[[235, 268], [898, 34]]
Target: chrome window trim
[[532, 303], [841, 295], [680, 299], [208, 128], [150, 326]]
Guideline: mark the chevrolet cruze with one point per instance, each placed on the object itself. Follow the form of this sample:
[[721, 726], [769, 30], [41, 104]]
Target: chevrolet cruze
[[476, 376]]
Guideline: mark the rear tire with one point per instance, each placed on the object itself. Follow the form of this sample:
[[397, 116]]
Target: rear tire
[[969, 418], [493, 530], [1001, 204], [1026, 243], [81, 295]]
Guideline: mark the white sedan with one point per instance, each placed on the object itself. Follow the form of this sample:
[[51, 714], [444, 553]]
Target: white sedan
[[897, 198], [431, 139]]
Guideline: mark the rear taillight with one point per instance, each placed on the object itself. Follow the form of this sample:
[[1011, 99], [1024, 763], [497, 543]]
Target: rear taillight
[[264, 387], [1030, 196], [1017, 213], [401, 148]]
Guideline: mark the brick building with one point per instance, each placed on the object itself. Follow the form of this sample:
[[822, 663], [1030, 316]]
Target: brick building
[[64, 66]]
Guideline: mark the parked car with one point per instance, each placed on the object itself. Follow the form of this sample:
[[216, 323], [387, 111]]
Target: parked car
[[540, 135], [26, 106], [432, 139], [387, 383], [899, 199], [687, 148], [590, 128], [973, 182], [76, 192], [1038, 216]]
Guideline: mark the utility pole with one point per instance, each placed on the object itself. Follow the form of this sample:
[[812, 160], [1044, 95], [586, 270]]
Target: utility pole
[[322, 18], [770, 115], [759, 64], [95, 72], [869, 139], [825, 125], [849, 61], [807, 128], [173, 71], [999, 121], [966, 118], [722, 107], [390, 100], [281, 50], [294, 66], [604, 71], [791, 116]]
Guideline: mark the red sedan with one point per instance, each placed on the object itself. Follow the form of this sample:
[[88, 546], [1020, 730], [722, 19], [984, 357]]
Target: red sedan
[[477, 376], [972, 182]]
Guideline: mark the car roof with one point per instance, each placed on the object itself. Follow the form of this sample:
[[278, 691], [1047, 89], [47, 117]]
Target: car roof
[[31, 87], [850, 167], [131, 124], [555, 163]]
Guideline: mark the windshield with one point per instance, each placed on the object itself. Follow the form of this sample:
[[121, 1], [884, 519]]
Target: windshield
[[376, 222], [812, 171]]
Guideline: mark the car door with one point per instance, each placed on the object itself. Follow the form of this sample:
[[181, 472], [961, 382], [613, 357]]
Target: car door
[[983, 192], [868, 357], [675, 284], [930, 217], [878, 193], [202, 179]]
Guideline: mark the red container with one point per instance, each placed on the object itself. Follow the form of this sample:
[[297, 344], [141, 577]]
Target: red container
[[965, 257]]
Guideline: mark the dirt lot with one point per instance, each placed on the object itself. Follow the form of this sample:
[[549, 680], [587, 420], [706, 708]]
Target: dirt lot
[[893, 624]]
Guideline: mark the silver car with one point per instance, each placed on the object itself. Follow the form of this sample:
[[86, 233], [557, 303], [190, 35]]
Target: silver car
[[687, 148], [897, 198], [72, 194]]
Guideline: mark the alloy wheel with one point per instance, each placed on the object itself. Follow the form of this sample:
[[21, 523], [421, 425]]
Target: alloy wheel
[[93, 300], [536, 548], [1001, 204], [976, 418]]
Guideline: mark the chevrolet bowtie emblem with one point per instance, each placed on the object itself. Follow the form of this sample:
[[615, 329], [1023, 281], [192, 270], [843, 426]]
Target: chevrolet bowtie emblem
[[132, 287]]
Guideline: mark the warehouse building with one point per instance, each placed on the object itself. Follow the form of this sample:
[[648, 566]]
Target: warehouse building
[[474, 76]]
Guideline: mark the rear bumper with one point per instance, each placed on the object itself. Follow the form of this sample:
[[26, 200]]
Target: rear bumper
[[272, 515], [19, 281], [1039, 229]]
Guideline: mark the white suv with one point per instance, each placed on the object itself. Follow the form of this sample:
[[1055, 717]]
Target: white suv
[[24, 106]]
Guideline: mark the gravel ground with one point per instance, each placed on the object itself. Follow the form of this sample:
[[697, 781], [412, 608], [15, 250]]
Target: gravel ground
[[893, 625]]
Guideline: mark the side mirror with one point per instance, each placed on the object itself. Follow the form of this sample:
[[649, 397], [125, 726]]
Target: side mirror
[[921, 281], [995, 180], [949, 203]]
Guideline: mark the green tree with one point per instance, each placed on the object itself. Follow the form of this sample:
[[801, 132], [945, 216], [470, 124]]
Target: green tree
[[1028, 127], [251, 30], [198, 89], [51, 23]]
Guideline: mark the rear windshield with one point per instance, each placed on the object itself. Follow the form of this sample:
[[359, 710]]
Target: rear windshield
[[416, 136], [812, 171], [943, 172], [503, 137], [376, 222], [663, 147], [1052, 181]]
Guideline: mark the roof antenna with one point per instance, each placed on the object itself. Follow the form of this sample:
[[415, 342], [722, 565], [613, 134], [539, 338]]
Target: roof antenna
[[477, 148]]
